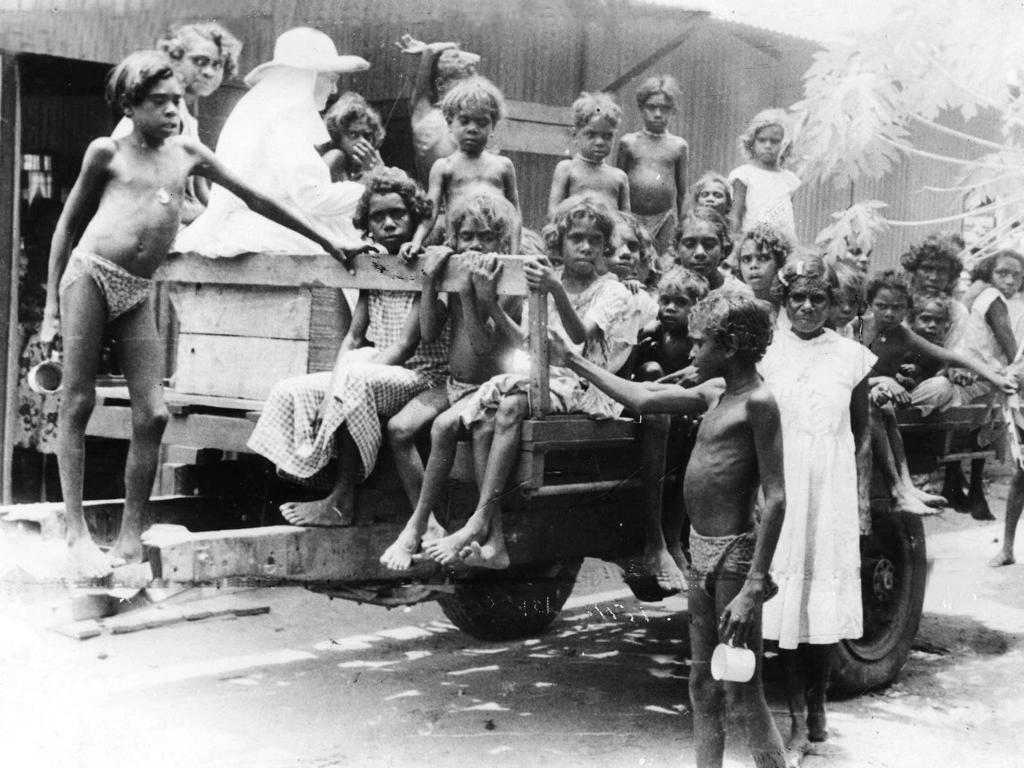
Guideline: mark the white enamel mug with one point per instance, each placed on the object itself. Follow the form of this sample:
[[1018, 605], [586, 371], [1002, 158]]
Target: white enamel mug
[[733, 664]]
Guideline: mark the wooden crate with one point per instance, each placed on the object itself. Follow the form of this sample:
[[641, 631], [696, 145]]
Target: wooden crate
[[240, 340]]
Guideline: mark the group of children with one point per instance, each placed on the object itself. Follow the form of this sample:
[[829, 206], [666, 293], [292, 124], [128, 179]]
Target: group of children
[[639, 300]]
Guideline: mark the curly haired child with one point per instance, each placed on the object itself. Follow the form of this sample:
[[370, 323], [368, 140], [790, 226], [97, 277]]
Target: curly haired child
[[356, 135], [587, 305], [762, 252], [739, 450], [472, 108], [655, 161], [596, 119], [762, 190], [664, 346], [124, 212]]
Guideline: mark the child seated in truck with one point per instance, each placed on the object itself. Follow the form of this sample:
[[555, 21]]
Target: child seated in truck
[[596, 119], [892, 341], [356, 135], [588, 305], [308, 420], [739, 450], [478, 224], [472, 109], [126, 205], [632, 262], [664, 346]]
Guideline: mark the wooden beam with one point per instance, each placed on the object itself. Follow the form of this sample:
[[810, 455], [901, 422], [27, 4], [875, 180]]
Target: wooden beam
[[373, 272], [199, 429], [10, 214]]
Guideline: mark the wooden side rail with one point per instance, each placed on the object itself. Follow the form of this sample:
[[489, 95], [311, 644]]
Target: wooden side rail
[[947, 426]]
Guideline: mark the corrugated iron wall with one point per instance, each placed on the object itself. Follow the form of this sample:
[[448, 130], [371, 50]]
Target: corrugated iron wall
[[539, 51]]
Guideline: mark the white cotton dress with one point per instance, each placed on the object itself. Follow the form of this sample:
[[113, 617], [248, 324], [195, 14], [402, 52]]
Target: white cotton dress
[[817, 560], [769, 197]]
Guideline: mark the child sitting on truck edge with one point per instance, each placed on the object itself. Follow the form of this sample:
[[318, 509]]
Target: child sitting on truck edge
[[478, 224], [739, 448], [591, 307], [654, 159], [596, 118], [134, 187], [472, 108], [310, 419]]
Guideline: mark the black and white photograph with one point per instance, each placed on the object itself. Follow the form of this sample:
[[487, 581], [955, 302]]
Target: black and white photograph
[[511, 383]]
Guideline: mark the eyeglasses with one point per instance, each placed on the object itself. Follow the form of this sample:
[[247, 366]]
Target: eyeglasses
[[201, 62]]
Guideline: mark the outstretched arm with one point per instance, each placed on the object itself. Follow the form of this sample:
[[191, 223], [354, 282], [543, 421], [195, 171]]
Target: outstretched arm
[[559, 186], [738, 618], [681, 163], [950, 357], [81, 204], [210, 167], [642, 397]]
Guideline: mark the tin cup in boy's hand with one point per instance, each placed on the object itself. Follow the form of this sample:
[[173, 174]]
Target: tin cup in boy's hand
[[47, 377], [731, 663]]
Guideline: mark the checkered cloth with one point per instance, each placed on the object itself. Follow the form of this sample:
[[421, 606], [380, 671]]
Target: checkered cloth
[[364, 393]]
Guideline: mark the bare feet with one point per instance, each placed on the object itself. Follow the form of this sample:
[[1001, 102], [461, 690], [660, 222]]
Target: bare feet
[[930, 499], [447, 549], [797, 745], [88, 560], [492, 554], [978, 508], [128, 549], [401, 553], [323, 513], [817, 728], [660, 565], [908, 502], [1003, 558]]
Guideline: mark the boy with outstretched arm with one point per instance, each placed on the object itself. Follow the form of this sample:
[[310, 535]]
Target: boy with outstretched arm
[[738, 450], [124, 211]]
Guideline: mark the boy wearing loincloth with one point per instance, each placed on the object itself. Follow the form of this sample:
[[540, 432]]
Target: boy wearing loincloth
[[738, 450], [124, 210], [655, 161]]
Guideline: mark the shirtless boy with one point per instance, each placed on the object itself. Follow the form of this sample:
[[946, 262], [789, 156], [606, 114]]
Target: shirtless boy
[[479, 224], [739, 448], [655, 161], [472, 109], [134, 188], [596, 118]]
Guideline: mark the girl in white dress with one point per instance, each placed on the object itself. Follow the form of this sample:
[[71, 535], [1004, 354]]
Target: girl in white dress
[[820, 382], [762, 190]]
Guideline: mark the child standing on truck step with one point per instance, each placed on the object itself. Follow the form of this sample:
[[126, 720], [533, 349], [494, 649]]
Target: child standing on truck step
[[134, 190], [308, 420], [762, 190], [472, 109], [596, 118], [654, 160], [739, 450], [586, 304], [820, 381], [478, 224]]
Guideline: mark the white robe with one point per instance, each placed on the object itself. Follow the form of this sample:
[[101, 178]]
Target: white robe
[[270, 140]]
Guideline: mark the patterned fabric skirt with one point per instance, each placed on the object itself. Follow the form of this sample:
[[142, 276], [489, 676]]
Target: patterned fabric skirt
[[568, 394], [364, 393]]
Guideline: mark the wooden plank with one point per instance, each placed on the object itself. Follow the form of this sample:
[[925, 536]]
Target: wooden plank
[[235, 366], [540, 401], [578, 431], [206, 430], [535, 112], [241, 310], [328, 324], [536, 138], [374, 272], [10, 199], [172, 397]]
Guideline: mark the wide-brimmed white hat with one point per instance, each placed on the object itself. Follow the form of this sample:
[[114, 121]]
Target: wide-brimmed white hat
[[305, 48]]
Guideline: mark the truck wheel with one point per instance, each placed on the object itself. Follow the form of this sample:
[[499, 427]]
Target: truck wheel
[[893, 574], [506, 605]]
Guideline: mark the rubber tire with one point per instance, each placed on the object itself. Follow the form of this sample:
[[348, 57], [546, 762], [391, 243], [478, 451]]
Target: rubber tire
[[890, 626], [512, 604]]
